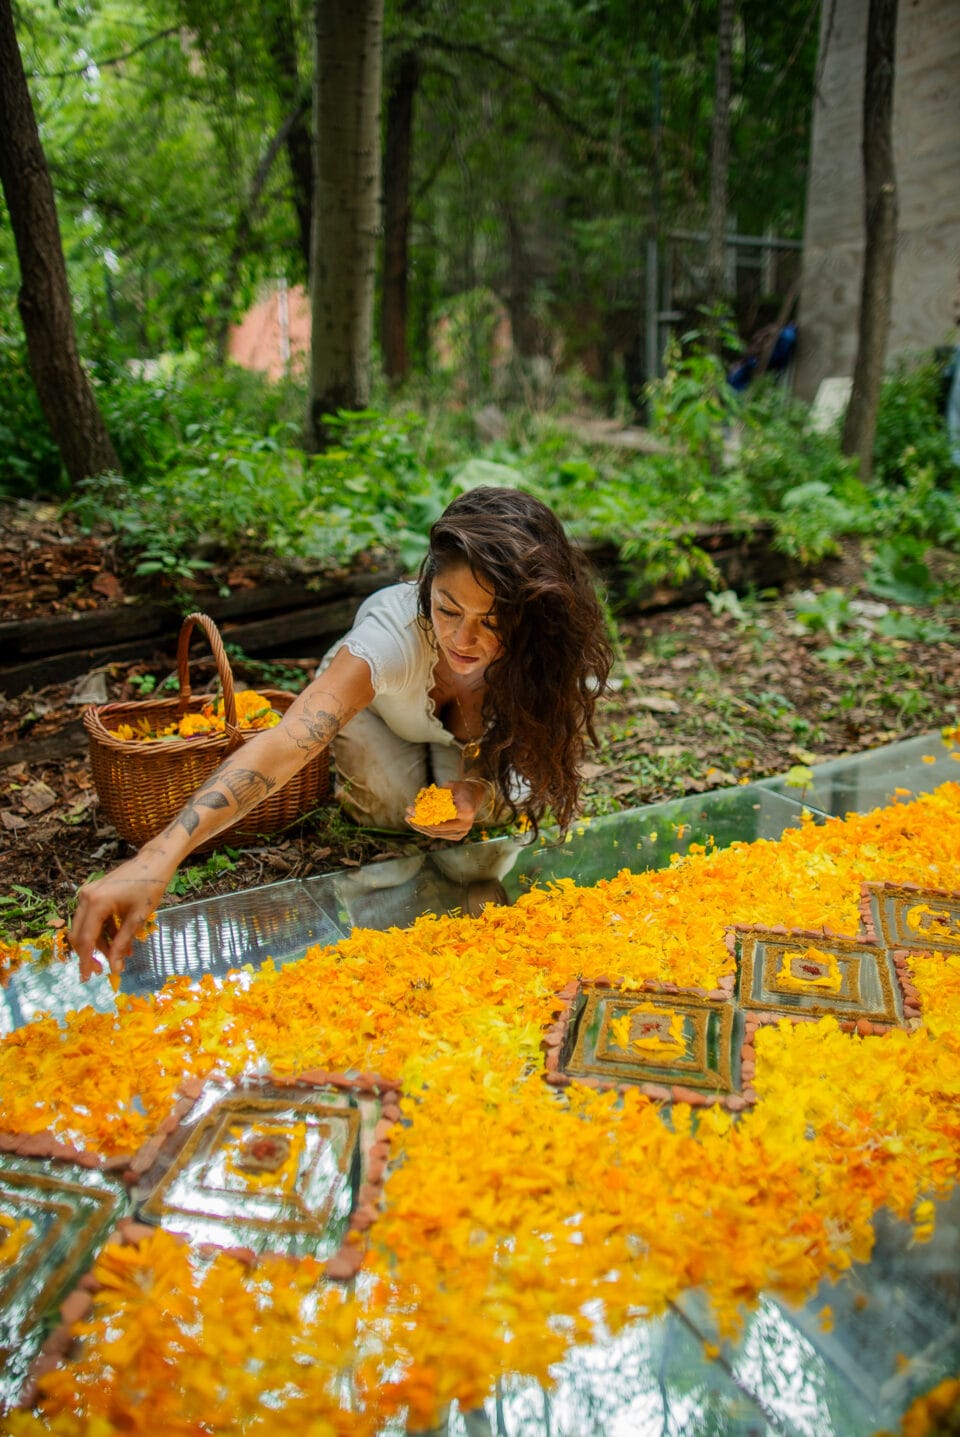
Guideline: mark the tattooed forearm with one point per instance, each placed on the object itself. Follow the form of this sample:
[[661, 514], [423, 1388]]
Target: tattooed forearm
[[246, 786], [320, 728]]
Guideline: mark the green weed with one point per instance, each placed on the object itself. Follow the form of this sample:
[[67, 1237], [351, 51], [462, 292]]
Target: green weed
[[192, 878]]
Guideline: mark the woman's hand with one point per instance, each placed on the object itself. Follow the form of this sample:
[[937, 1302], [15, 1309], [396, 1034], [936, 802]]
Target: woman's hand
[[112, 910], [468, 795]]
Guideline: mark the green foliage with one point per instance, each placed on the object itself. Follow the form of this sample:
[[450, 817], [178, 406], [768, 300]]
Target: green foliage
[[911, 435], [693, 403], [780, 452], [810, 521], [192, 878], [829, 611], [922, 505], [899, 572], [29, 460], [25, 914]]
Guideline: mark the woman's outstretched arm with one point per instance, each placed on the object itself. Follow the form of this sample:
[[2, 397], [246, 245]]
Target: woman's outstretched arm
[[111, 910]]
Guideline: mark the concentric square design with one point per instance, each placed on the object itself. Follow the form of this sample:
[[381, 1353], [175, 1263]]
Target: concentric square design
[[810, 974], [917, 919], [266, 1168], [53, 1219], [657, 1038]]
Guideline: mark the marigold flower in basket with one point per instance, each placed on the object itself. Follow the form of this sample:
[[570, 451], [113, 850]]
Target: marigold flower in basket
[[253, 712], [434, 805]]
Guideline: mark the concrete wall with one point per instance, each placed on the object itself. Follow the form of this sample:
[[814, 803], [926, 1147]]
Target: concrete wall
[[926, 287]]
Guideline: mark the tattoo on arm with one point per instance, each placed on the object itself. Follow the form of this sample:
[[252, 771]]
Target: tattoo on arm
[[245, 785], [321, 727]]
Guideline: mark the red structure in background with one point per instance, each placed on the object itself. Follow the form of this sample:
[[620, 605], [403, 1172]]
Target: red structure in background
[[274, 335]]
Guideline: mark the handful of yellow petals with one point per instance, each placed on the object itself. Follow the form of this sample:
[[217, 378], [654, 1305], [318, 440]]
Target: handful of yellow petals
[[434, 805]]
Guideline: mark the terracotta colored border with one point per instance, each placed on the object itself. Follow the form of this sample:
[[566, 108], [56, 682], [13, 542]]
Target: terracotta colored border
[[347, 1260], [45, 1145], [556, 1037]]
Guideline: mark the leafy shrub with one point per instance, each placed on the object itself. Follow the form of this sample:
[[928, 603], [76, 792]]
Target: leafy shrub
[[693, 402], [810, 520], [911, 430], [172, 409], [30, 462], [899, 572], [921, 506]]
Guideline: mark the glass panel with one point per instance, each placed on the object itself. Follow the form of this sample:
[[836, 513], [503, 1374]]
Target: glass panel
[[870, 780], [895, 1333], [643, 838], [278, 921], [50, 986], [56, 1216], [267, 1168], [389, 894]]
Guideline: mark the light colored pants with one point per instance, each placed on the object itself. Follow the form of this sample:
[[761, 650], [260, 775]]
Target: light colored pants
[[378, 776]]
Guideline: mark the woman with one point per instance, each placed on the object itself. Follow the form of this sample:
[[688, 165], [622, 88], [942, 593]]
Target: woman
[[483, 678]]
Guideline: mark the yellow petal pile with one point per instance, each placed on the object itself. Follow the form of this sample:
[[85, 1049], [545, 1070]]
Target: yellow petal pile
[[510, 1213], [434, 805]]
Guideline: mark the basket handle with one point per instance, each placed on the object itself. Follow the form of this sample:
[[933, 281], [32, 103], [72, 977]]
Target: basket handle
[[224, 672]]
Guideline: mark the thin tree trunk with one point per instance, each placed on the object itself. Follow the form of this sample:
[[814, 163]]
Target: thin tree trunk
[[397, 167], [346, 215], [525, 331], [243, 228], [880, 233], [720, 155], [283, 51], [62, 385]]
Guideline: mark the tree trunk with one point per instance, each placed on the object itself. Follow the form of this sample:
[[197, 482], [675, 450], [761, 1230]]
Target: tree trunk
[[240, 243], [282, 44], [720, 156], [62, 385], [397, 168], [526, 333], [880, 233], [346, 217]]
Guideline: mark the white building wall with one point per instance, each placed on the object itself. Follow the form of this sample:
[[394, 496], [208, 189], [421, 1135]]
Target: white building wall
[[926, 287]]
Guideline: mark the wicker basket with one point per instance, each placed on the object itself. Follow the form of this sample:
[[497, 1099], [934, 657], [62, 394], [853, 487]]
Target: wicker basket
[[143, 784]]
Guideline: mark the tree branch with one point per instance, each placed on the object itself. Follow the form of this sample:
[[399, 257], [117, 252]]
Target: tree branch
[[553, 102], [112, 60]]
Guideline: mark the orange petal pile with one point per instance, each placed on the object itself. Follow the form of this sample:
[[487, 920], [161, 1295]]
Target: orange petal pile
[[512, 1215], [434, 805]]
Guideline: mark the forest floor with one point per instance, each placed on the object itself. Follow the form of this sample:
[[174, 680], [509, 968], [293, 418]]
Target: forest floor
[[704, 696]]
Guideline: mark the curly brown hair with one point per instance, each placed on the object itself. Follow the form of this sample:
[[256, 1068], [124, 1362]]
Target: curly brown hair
[[555, 659]]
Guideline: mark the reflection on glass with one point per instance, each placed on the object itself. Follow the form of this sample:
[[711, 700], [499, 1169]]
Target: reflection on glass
[[278, 921], [871, 780], [644, 838], [50, 986], [895, 1333], [263, 1168], [57, 1216]]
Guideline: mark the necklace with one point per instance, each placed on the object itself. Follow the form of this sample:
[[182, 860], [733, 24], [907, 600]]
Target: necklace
[[471, 745]]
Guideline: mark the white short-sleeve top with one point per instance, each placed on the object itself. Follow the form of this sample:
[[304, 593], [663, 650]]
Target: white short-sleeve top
[[401, 655]]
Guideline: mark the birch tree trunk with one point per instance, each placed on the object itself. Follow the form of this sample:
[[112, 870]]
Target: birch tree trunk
[[346, 211], [61, 382], [880, 233]]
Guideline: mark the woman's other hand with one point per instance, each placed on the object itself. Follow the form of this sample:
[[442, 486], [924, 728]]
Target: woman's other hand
[[468, 795], [112, 910]]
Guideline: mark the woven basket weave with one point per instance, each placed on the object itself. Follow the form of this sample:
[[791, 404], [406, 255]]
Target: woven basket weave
[[142, 784]]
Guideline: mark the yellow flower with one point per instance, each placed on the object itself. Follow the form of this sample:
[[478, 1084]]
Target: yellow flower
[[434, 805]]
